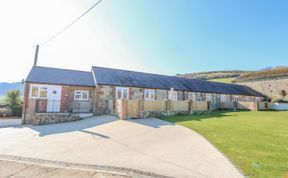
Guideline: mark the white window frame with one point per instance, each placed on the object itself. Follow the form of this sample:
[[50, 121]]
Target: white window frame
[[236, 98], [122, 92], [151, 94], [81, 95], [209, 96], [223, 98], [173, 95], [40, 89]]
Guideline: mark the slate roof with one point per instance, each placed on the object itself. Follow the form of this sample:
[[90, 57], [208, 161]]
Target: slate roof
[[60, 76], [108, 76], [117, 77]]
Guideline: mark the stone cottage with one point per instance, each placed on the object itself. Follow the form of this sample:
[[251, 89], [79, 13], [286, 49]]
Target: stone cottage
[[53, 90]]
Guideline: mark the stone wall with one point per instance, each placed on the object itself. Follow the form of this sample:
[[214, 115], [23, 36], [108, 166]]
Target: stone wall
[[53, 118], [103, 94], [271, 87]]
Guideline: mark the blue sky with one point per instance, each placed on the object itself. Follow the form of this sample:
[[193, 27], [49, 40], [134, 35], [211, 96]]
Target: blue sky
[[160, 36], [194, 35]]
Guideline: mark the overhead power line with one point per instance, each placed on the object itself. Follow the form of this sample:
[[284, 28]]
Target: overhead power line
[[69, 25]]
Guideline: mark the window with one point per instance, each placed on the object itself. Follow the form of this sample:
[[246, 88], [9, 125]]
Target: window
[[149, 94], [208, 97], [223, 98], [81, 95], [192, 96], [38, 92], [122, 93], [200, 97], [172, 95], [236, 98]]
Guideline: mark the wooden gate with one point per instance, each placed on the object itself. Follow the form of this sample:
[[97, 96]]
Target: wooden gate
[[133, 108]]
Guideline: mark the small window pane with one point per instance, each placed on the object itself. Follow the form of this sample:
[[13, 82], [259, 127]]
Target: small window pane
[[85, 95], [152, 95], [77, 96], [34, 92], [125, 94], [43, 94], [146, 94], [119, 93]]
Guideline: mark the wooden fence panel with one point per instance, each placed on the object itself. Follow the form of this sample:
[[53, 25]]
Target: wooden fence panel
[[247, 105], [226, 105], [179, 105], [159, 105], [199, 105], [133, 108]]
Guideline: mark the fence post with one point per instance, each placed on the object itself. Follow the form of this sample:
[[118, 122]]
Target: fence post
[[37, 106], [168, 106], [257, 106], [208, 105], [140, 108], [235, 105], [190, 109]]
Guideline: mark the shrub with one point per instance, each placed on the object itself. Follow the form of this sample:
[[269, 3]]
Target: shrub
[[14, 102], [283, 93], [5, 111], [280, 101]]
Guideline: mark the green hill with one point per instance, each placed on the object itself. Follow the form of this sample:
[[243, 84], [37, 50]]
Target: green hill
[[215, 76], [223, 80]]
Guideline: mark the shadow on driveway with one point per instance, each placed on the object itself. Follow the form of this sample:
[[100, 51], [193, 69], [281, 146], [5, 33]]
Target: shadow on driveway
[[67, 127], [10, 122]]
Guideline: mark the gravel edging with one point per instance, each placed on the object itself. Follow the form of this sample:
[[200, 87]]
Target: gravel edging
[[88, 167]]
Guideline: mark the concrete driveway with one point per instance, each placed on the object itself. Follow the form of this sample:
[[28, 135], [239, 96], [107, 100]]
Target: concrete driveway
[[149, 145], [10, 122]]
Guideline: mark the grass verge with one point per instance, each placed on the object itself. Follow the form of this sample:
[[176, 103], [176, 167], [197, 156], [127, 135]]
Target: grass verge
[[256, 141]]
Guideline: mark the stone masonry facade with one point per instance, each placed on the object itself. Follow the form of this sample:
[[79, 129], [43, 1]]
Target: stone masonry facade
[[106, 95], [102, 99], [274, 87]]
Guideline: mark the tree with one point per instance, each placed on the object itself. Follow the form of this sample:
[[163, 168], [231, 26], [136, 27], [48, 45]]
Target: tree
[[13, 99], [283, 93]]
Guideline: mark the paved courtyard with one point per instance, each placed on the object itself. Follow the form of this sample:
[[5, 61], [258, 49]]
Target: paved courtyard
[[149, 145], [9, 122], [9, 169]]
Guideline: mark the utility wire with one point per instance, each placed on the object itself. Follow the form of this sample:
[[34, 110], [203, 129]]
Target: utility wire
[[69, 25]]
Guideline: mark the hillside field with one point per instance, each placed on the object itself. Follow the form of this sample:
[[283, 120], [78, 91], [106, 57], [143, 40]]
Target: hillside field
[[223, 80]]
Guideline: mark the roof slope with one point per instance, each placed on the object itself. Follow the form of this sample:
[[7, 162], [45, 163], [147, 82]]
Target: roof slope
[[60, 76], [107, 76]]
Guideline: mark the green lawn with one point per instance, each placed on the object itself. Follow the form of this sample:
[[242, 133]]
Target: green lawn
[[222, 80], [255, 141]]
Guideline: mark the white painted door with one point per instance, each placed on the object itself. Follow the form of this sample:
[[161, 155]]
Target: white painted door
[[54, 98]]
